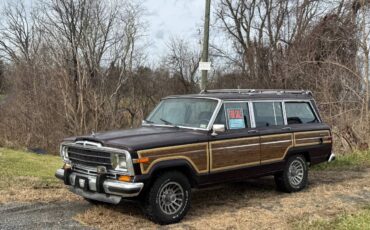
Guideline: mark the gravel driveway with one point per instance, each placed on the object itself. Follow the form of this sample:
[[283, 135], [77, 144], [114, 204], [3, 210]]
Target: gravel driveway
[[41, 215]]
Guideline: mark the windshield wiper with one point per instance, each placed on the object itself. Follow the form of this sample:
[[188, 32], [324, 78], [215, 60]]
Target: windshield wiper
[[167, 122], [149, 122]]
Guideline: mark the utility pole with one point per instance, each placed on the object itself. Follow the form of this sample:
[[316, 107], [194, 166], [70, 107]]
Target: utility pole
[[206, 44]]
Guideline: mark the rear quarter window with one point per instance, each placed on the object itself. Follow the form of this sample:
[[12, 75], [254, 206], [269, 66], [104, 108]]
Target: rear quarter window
[[300, 113]]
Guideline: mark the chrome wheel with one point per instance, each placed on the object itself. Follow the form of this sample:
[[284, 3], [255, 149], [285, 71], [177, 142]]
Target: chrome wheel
[[296, 172], [171, 198]]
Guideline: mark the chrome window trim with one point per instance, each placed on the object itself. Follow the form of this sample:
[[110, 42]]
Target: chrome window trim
[[251, 114], [130, 168], [210, 123], [284, 114], [215, 113], [250, 106]]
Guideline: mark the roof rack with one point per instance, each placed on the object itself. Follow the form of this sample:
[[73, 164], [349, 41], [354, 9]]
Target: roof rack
[[257, 91]]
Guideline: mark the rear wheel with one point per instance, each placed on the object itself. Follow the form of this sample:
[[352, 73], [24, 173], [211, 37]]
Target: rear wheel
[[295, 175], [168, 200]]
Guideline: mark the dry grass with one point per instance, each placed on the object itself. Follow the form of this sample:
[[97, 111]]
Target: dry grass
[[357, 220], [28, 177], [253, 205]]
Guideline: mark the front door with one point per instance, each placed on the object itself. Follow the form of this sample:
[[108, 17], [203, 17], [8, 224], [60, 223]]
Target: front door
[[239, 145]]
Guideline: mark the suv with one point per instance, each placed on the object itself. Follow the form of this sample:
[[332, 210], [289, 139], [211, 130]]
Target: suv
[[194, 141]]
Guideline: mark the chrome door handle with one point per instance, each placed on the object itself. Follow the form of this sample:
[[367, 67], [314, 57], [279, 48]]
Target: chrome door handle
[[286, 128], [253, 131]]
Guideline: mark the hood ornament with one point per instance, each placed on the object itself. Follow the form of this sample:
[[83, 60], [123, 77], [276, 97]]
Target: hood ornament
[[93, 133]]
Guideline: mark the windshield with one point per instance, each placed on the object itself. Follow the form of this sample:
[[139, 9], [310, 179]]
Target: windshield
[[188, 112]]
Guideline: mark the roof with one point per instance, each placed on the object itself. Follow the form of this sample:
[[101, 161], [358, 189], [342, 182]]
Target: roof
[[247, 94]]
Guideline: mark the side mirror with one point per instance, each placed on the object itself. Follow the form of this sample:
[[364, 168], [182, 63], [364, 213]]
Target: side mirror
[[217, 128]]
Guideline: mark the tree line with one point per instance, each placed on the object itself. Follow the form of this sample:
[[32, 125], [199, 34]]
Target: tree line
[[70, 67]]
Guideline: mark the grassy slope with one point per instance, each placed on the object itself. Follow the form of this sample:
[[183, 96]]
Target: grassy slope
[[359, 220], [349, 161], [28, 169]]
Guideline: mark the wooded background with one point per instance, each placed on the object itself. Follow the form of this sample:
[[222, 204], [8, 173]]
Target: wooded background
[[69, 67]]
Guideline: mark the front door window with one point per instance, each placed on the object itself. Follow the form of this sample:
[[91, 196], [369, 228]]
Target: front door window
[[234, 115]]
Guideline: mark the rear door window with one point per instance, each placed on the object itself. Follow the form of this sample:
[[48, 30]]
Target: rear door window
[[268, 114], [299, 113]]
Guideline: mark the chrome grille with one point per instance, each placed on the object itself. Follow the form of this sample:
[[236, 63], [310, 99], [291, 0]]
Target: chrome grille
[[89, 157], [91, 171]]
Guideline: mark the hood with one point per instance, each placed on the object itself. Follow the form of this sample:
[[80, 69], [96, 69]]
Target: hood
[[145, 137]]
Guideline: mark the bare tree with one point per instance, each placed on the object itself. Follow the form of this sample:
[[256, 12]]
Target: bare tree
[[19, 40], [183, 63]]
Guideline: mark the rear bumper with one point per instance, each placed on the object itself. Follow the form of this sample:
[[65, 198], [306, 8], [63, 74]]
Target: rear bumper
[[100, 188], [331, 157]]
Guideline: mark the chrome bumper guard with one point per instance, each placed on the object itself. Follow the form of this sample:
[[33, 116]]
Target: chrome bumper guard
[[113, 190], [331, 157]]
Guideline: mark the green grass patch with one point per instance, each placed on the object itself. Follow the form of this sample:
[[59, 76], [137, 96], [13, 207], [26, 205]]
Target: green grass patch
[[356, 159], [359, 220], [27, 169]]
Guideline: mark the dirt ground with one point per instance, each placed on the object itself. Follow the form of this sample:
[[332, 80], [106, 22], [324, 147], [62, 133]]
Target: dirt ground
[[253, 204]]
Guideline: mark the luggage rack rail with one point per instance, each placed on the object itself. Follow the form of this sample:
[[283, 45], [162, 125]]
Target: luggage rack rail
[[257, 91]]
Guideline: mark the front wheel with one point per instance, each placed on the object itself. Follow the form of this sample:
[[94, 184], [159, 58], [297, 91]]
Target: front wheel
[[295, 175], [168, 200]]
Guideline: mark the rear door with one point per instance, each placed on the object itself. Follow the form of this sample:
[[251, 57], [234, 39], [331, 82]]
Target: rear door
[[276, 138], [239, 145]]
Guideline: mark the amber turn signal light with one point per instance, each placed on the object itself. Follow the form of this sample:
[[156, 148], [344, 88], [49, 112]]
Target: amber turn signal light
[[143, 160], [124, 178]]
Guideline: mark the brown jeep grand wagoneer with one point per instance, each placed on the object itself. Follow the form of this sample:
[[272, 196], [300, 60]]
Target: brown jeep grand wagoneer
[[193, 141]]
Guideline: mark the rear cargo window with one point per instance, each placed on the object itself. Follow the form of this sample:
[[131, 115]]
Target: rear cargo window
[[299, 113], [268, 114]]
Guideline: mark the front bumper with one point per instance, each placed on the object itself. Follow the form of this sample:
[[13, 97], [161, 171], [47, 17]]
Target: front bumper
[[98, 187]]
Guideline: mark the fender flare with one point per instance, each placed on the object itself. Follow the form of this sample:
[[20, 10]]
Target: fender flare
[[181, 165]]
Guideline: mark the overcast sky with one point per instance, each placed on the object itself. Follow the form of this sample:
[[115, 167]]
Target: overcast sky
[[166, 19], [172, 18]]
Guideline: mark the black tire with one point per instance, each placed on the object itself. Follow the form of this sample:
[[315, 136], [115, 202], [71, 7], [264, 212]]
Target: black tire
[[290, 181], [155, 197]]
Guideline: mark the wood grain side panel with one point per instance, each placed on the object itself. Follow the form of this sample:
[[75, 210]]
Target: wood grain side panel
[[312, 138], [308, 134], [275, 147], [196, 154], [235, 153]]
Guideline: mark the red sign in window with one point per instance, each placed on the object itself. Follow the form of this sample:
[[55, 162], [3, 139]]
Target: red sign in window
[[235, 114]]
